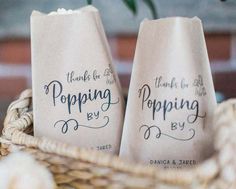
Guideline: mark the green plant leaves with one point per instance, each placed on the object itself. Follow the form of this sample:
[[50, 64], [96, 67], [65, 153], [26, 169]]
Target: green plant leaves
[[152, 7], [89, 2], [131, 4]]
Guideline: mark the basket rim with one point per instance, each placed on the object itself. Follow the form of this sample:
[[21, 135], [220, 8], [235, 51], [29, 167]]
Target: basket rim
[[20, 117]]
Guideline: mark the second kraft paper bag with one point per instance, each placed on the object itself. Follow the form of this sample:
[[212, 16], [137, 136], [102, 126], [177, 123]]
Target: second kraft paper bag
[[76, 93], [171, 97]]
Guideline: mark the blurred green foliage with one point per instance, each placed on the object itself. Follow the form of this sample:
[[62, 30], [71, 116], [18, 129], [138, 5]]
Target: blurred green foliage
[[132, 6]]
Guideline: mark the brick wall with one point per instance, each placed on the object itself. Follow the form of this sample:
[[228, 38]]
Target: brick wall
[[15, 72]]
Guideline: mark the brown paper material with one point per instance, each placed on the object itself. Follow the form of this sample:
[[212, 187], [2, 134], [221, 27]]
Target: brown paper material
[[76, 93], [171, 97]]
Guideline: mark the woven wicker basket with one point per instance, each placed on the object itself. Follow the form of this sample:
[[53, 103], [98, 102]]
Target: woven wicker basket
[[73, 167]]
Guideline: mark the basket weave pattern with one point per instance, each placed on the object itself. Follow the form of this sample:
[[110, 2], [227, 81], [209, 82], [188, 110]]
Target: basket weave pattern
[[74, 167]]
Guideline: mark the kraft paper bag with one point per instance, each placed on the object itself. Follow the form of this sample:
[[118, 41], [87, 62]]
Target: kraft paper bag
[[76, 92], [171, 97]]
